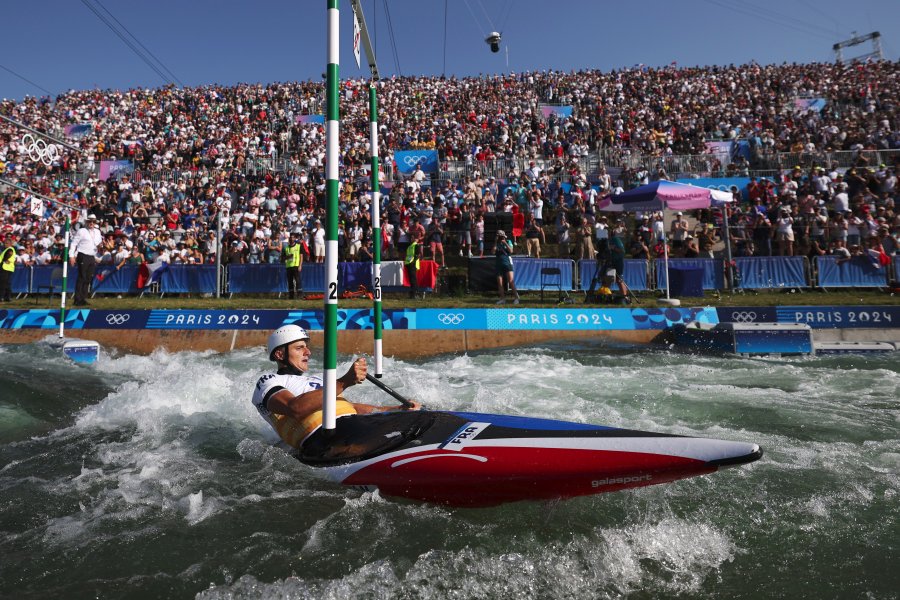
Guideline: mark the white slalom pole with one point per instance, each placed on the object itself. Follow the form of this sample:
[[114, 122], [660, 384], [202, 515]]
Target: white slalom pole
[[332, 132], [65, 281]]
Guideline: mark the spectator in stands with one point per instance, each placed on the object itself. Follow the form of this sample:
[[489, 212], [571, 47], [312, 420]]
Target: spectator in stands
[[318, 235], [478, 230], [534, 235], [679, 230], [435, 236], [762, 235], [785, 233]]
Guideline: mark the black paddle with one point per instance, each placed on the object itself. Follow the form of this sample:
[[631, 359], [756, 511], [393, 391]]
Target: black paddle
[[389, 390]]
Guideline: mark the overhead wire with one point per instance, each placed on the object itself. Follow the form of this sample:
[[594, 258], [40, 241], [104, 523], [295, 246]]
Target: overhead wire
[[802, 23], [505, 14], [26, 80], [147, 50], [474, 18], [768, 19], [390, 24], [127, 42], [486, 15]]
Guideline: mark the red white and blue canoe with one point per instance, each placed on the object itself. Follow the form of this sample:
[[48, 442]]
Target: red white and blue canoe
[[474, 459]]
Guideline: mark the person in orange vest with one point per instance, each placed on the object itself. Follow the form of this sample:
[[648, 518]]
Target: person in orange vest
[[7, 267]]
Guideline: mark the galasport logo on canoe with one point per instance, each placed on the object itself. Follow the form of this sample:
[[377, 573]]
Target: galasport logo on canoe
[[619, 480], [467, 432]]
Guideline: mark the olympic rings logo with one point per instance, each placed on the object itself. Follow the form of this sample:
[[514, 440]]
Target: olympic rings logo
[[117, 319], [414, 161], [451, 318], [743, 317], [39, 150]]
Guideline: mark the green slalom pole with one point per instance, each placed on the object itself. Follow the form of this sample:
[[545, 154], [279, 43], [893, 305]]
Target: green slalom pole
[[332, 132], [376, 226]]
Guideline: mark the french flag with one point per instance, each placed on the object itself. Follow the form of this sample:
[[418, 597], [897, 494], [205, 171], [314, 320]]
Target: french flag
[[878, 258], [150, 273]]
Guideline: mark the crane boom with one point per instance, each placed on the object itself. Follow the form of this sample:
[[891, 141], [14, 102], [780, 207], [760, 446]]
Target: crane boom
[[364, 38]]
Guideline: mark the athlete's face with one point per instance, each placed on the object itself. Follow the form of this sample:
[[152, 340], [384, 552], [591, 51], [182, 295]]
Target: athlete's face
[[298, 354]]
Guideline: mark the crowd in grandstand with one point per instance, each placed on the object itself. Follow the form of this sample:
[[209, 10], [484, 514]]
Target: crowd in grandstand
[[194, 151]]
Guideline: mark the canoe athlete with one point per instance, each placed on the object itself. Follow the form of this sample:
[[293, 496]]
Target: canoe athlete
[[290, 400]]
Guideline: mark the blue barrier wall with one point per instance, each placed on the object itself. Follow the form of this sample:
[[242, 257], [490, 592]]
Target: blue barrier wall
[[754, 272], [107, 280], [856, 272], [182, 279], [758, 272], [21, 281], [354, 274], [40, 276], [257, 279], [635, 274], [713, 273], [528, 272]]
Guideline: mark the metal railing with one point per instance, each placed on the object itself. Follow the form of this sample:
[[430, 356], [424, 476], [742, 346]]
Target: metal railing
[[675, 166]]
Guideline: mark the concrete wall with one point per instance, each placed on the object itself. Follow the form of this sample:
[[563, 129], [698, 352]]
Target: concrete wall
[[399, 343]]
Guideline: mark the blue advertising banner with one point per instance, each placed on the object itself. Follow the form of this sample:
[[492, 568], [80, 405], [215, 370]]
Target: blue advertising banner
[[41, 319], [559, 319], [115, 169], [116, 319], [408, 160], [840, 317], [547, 110], [475, 319], [817, 317], [214, 319], [746, 314]]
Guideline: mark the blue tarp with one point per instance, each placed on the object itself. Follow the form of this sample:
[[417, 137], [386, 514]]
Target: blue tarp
[[856, 272], [181, 279], [713, 276], [635, 274], [759, 272], [528, 272], [257, 279]]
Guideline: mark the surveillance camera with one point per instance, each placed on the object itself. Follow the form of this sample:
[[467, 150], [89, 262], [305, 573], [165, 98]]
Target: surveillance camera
[[493, 41]]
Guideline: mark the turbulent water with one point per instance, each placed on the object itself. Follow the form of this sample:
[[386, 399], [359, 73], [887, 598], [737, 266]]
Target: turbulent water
[[153, 477]]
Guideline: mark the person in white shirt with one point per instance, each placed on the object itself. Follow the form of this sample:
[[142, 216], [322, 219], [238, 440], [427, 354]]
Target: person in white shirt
[[83, 252], [841, 199]]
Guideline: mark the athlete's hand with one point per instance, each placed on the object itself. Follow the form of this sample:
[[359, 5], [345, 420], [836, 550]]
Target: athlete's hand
[[356, 373], [415, 406]]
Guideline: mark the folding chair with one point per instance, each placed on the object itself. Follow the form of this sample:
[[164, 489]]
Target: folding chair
[[551, 277], [53, 286]]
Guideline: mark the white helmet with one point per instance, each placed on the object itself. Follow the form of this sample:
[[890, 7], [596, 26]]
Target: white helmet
[[286, 334]]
